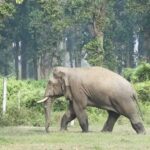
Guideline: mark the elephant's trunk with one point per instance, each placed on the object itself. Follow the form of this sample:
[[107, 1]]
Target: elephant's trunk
[[47, 109]]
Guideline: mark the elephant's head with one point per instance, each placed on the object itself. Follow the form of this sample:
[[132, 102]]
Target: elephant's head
[[55, 88]]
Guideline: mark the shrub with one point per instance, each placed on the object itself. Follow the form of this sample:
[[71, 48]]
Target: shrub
[[127, 73], [140, 74], [95, 52], [96, 115], [143, 90], [145, 108], [22, 108], [21, 102], [60, 104], [23, 116]]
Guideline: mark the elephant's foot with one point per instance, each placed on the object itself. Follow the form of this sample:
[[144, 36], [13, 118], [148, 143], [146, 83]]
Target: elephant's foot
[[85, 131], [47, 131], [47, 128], [139, 128], [106, 130], [62, 129], [84, 127]]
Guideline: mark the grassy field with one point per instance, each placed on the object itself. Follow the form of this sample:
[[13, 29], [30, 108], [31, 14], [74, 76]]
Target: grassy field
[[34, 138]]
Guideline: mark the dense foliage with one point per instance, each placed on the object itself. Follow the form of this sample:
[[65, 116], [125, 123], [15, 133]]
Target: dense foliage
[[141, 77], [39, 34], [23, 95], [42, 33], [143, 90], [138, 74]]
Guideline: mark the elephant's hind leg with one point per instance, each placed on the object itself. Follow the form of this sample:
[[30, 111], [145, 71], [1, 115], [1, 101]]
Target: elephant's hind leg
[[67, 117], [137, 124], [139, 128], [111, 120]]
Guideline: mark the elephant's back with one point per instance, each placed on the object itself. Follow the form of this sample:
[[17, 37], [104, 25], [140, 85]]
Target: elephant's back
[[98, 79], [98, 74]]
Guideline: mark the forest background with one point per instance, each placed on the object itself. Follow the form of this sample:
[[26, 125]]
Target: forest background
[[36, 35]]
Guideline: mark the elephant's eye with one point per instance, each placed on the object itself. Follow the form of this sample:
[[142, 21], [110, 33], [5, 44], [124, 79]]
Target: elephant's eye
[[55, 76]]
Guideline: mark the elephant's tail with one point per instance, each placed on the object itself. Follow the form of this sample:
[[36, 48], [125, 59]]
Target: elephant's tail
[[135, 98]]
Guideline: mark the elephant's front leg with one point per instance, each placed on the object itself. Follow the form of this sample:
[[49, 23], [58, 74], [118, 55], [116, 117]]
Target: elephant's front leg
[[67, 117], [82, 116]]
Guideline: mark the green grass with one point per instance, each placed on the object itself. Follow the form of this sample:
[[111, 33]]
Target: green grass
[[34, 138]]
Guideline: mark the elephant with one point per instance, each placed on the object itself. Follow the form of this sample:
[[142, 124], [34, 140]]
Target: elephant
[[96, 87]]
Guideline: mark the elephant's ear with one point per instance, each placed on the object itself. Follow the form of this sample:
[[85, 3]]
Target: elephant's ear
[[66, 86], [61, 73], [65, 79]]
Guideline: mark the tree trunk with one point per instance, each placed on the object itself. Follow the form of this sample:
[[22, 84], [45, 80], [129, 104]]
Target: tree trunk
[[35, 68], [69, 49], [16, 54], [146, 45], [6, 65], [71, 58], [23, 61], [46, 65], [99, 35], [35, 59], [24, 68], [77, 58], [39, 69]]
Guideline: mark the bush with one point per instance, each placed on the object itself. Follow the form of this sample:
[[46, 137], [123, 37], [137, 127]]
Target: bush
[[23, 116], [140, 74], [143, 90], [60, 104], [145, 108], [22, 108], [96, 115], [21, 102], [127, 73], [24, 92], [95, 52]]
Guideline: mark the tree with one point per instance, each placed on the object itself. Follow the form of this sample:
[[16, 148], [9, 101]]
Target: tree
[[92, 16], [46, 30], [43, 31], [141, 9], [6, 11]]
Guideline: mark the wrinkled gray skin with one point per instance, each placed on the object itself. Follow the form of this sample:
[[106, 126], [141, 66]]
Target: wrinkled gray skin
[[96, 87]]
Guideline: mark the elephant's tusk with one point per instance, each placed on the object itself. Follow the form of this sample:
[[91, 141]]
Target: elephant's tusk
[[43, 100]]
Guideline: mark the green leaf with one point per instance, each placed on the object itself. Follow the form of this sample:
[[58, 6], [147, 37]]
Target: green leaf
[[19, 1]]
